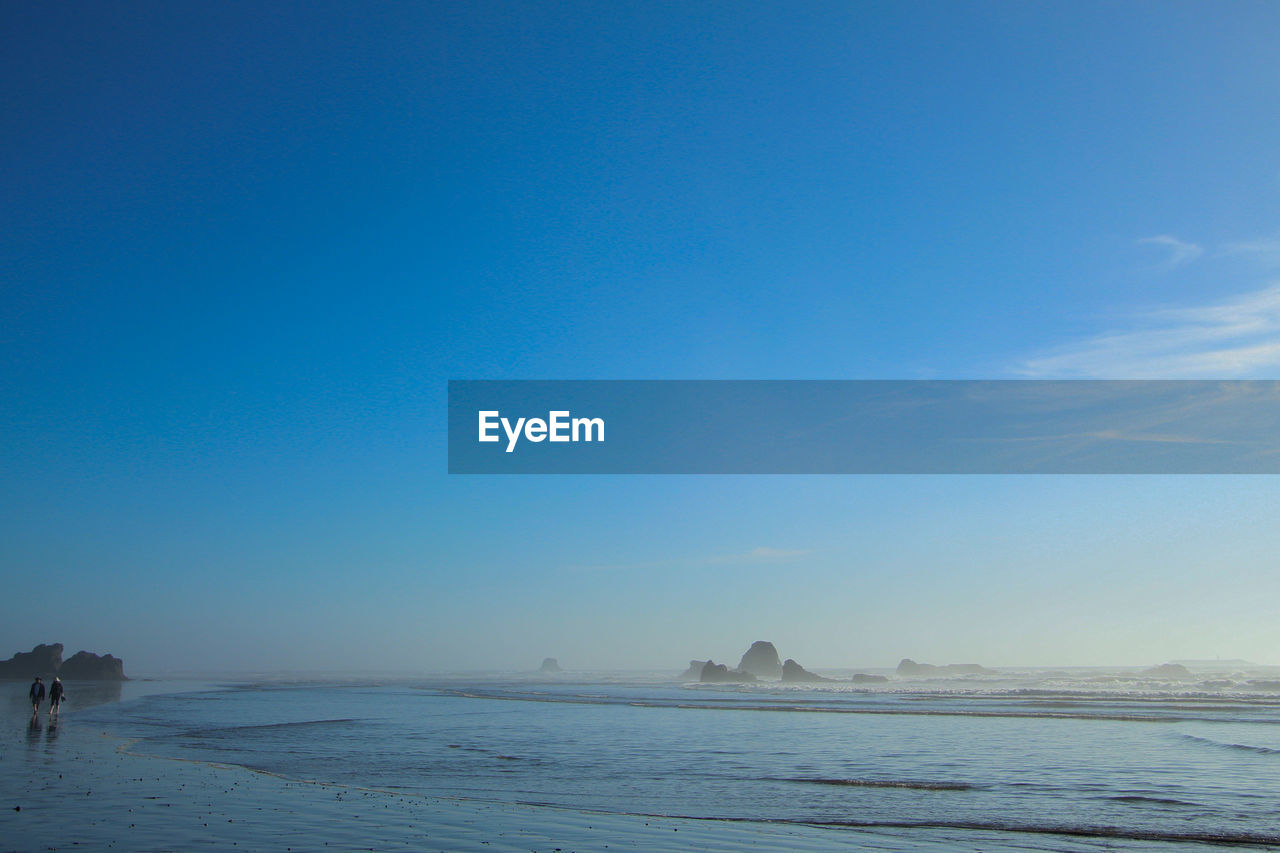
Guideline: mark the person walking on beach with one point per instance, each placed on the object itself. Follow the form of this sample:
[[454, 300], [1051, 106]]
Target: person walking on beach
[[55, 696], [37, 695]]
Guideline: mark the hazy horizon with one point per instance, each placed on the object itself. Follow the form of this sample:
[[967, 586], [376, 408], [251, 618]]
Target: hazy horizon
[[569, 665]]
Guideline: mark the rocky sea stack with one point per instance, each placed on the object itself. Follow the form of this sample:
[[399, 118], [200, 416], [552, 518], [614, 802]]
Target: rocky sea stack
[[909, 667], [792, 671], [762, 661], [694, 672], [863, 678], [718, 672], [1168, 670]]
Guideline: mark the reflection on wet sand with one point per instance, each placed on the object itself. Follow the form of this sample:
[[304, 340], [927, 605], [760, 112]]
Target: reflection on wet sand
[[78, 695]]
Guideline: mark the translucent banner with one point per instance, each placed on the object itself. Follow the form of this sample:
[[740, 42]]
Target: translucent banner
[[864, 427]]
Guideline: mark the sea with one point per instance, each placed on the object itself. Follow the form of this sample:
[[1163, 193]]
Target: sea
[[1031, 756]]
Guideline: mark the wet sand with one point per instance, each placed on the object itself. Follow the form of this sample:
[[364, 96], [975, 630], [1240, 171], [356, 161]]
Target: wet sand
[[68, 787], [73, 787]]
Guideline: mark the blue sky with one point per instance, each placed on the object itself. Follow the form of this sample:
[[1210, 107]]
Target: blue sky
[[246, 246]]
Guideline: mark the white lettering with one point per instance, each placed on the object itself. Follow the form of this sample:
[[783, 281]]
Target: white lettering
[[486, 425], [513, 435], [587, 424], [558, 426]]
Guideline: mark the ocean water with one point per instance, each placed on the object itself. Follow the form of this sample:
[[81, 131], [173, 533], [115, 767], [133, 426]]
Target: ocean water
[[1032, 756]]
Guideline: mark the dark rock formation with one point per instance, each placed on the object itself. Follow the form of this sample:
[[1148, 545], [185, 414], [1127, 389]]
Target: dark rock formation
[[1168, 670], [694, 672], [46, 660], [863, 678], [43, 660], [762, 660], [86, 666], [792, 671], [909, 667], [712, 671], [550, 665]]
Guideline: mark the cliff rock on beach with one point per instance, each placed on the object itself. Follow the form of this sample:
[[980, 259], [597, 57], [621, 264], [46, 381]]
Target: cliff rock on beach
[[86, 666], [909, 667], [793, 672], [762, 661], [718, 672], [43, 660], [46, 660], [550, 665]]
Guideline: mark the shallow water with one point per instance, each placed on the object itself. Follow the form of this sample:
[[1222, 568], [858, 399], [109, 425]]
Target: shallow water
[[1035, 756]]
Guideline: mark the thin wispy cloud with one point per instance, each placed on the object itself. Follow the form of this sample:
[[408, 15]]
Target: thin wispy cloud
[[1180, 252], [1235, 338], [1264, 249]]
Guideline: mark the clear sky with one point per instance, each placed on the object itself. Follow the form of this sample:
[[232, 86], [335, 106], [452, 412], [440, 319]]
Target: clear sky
[[245, 245]]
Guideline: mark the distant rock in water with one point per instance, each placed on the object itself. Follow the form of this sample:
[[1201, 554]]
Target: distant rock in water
[[1168, 670], [712, 671], [1215, 663], [762, 661], [550, 665], [87, 666], [792, 671], [46, 661], [909, 667], [863, 678], [694, 672]]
